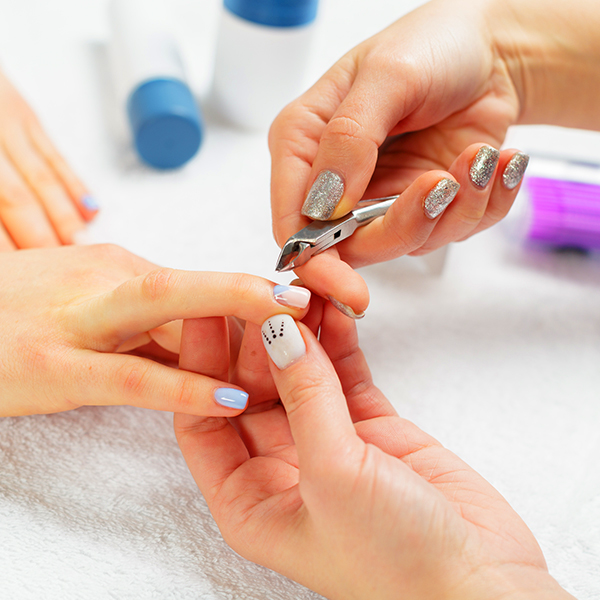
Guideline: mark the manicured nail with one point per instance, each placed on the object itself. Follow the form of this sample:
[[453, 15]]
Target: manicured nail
[[345, 309], [439, 197], [325, 194], [90, 203], [483, 166], [231, 398], [291, 295], [514, 170], [283, 340]]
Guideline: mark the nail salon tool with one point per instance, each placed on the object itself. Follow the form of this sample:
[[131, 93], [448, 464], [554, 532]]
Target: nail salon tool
[[320, 235], [261, 58], [563, 208], [150, 82]]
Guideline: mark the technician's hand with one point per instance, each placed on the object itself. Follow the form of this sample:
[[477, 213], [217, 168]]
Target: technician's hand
[[70, 317], [419, 109], [337, 492], [42, 202]]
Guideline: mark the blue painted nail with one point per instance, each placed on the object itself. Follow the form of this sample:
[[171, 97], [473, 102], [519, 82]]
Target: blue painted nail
[[231, 398], [90, 203]]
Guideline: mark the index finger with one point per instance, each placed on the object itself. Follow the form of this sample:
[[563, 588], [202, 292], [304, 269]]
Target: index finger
[[165, 295]]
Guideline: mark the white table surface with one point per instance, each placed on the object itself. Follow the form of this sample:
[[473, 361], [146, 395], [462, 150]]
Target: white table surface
[[499, 357]]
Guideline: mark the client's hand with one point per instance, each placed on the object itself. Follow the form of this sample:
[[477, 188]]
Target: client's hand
[[69, 315], [337, 492], [42, 202]]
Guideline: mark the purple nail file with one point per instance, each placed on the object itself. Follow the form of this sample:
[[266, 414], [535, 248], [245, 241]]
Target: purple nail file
[[564, 213]]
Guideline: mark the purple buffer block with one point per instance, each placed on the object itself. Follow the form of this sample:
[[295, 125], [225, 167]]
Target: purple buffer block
[[564, 213]]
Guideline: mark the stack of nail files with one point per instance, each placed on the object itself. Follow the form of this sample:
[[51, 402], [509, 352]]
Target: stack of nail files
[[564, 213], [564, 203]]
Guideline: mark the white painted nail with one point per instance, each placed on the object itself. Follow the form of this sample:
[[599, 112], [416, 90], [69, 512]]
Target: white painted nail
[[283, 340]]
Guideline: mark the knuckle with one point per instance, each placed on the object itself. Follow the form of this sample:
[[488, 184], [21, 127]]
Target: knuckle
[[343, 127], [405, 241], [471, 217], [133, 378], [157, 284], [186, 395], [241, 285]]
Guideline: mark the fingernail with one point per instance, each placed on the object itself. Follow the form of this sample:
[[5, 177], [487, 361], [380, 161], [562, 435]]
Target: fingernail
[[291, 295], [483, 166], [345, 309], [90, 203], [283, 340], [514, 170], [324, 195], [231, 398], [439, 197]]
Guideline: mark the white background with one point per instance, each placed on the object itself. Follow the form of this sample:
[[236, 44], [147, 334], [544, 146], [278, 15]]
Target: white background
[[499, 357]]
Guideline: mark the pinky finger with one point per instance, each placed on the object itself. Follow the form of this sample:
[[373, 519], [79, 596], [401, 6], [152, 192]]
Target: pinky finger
[[511, 168]]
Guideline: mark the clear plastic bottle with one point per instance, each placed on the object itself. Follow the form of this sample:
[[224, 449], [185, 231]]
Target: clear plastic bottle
[[262, 53], [150, 84]]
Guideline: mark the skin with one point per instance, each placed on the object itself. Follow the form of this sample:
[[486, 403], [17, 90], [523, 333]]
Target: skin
[[295, 485], [412, 105], [41, 199], [97, 325]]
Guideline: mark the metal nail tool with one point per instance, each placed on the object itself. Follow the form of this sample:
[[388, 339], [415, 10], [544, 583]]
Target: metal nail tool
[[320, 235]]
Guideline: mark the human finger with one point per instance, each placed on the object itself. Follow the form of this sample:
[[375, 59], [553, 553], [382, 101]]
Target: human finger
[[407, 224], [205, 347], [512, 166], [21, 213], [165, 295], [78, 192], [329, 277], [40, 177], [475, 171], [252, 370], [339, 339], [294, 141], [309, 390], [123, 379], [6, 243]]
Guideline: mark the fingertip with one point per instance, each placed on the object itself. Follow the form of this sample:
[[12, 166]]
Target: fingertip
[[89, 207], [328, 276], [231, 398]]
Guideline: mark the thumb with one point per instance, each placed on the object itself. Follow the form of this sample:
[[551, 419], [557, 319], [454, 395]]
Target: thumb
[[349, 144], [310, 391]]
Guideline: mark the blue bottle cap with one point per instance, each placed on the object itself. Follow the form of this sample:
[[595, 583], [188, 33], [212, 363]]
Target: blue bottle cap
[[165, 121], [275, 13]]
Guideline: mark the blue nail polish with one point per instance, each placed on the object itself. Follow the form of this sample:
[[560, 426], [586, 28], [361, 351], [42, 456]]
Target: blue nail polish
[[231, 398], [90, 203]]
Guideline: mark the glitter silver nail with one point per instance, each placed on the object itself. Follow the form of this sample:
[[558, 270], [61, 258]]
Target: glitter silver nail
[[325, 194], [514, 170], [345, 309], [483, 166], [439, 197]]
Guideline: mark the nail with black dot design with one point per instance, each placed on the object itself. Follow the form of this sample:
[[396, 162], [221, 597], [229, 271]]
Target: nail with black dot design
[[287, 346]]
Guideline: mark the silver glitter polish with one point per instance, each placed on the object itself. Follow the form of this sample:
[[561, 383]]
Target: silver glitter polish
[[514, 171], [345, 309], [325, 194], [439, 197], [483, 166]]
